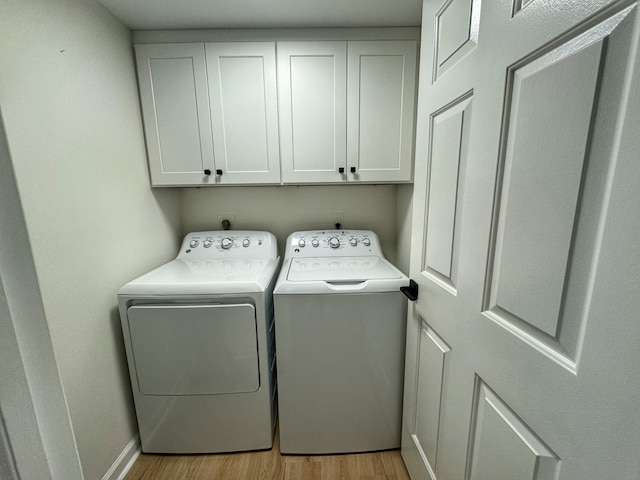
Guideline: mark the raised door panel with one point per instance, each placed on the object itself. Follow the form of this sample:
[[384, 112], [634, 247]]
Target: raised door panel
[[457, 27], [173, 93], [498, 433], [535, 230], [552, 181], [381, 106], [448, 151], [432, 351], [244, 111], [312, 111]]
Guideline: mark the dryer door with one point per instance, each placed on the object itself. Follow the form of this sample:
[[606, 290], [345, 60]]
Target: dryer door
[[194, 349]]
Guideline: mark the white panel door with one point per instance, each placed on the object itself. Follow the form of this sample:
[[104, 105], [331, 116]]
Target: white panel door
[[313, 111], [524, 345], [175, 104], [381, 105], [244, 111]]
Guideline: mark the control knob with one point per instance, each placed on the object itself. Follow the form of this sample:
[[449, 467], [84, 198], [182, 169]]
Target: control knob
[[334, 242], [366, 242], [207, 243], [226, 243], [353, 242], [193, 244], [246, 242], [315, 242], [301, 243]]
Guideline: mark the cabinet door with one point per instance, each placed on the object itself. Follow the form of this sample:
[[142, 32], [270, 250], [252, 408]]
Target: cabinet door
[[173, 93], [312, 101], [244, 111], [381, 103]]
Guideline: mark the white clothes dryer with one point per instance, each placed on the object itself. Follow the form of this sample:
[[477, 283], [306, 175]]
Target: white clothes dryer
[[340, 329], [199, 338]]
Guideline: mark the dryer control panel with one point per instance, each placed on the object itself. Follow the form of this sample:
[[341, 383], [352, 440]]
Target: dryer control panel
[[332, 243], [228, 244]]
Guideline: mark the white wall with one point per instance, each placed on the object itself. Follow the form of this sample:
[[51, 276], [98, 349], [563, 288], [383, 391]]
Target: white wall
[[404, 214], [69, 101], [283, 210]]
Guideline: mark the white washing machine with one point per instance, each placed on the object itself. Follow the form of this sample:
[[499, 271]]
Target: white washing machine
[[340, 329], [199, 337]]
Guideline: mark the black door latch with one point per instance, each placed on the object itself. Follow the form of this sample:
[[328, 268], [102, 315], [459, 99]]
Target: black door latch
[[411, 292]]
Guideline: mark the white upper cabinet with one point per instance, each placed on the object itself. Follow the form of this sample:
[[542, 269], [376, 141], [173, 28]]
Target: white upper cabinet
[[197, 105], [244, 111], [237, 113], [313, 111], [175, 104], [347, 110], [381, 110]]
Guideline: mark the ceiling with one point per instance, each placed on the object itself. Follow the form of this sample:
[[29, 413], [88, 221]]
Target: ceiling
[[191, 14]]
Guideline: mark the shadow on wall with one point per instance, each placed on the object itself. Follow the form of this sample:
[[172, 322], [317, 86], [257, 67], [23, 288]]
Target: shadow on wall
[[168, 202], [123, 368]]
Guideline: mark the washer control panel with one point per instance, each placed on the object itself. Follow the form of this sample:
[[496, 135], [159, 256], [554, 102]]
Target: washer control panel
[[322, 243], [228, 244]]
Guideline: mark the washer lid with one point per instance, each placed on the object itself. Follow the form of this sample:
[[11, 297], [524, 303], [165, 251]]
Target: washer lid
[[340, 269], [205, 277]]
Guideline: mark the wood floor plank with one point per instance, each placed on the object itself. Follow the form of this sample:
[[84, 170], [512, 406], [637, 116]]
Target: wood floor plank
[[270, 465]]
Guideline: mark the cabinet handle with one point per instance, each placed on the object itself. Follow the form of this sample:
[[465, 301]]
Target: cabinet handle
[[207, 171], [353, 169], [218, 172], [341, 170]]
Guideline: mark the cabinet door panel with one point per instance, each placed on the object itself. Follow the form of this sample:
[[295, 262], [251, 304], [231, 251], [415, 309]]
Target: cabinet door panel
[[173, 94], [312, 96], [243, 96], [381, 82]]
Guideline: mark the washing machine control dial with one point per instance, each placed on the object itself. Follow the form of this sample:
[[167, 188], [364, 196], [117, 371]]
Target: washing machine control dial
[[207, 243], [246, 242], [315, 242], [226, 243], [194, 243], [353, 242], [334, 242], [301, 243], [366, 242]]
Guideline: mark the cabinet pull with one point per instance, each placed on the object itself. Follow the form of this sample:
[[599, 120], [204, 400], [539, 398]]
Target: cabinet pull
[[353, 169], [341, 170], [207, 171], [218, 172]]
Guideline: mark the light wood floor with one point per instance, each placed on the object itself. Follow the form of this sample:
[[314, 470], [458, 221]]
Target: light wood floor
[[270, 465]]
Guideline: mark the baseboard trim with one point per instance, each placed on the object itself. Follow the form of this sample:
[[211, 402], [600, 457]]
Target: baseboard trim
[[125, 460]]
